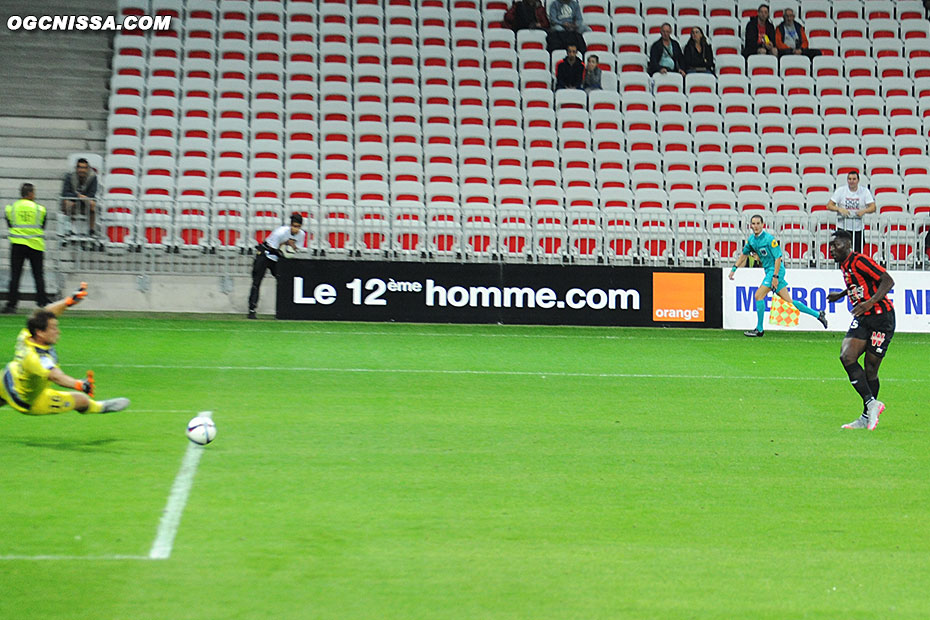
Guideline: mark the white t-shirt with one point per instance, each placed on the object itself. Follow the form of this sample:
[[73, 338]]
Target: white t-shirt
[[853, 201], [279, 236]]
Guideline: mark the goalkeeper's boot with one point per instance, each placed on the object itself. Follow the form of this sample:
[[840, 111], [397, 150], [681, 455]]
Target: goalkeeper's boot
[[754, 333], [822, 317], [114, 404], [874, 409], [860, 422]]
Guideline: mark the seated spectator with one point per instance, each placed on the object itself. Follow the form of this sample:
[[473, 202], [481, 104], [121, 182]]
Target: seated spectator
[[665, 54], [592, 74], [81, 186], [569, 72], [790, 38], [526, 15], [760, 34], [698, 55], [566, 26], [566, 15]]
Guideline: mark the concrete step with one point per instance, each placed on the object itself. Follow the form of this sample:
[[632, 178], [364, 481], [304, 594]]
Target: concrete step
[[54, 37], [100, 82], [87, 92], [14, 146], [61, 111], [57, 61], [46, 189], [28, 122], [16, 143], [67, 58], [86, 46], [60, 132], [35, 174], [78, 102], [24, 174], [38, 163], [59, 107], [26, 152]]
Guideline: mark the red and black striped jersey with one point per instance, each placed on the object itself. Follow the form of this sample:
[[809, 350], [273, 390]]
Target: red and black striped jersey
[[862, 275]]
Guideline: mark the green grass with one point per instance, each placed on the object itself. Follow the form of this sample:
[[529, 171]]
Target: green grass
[[576, 473]]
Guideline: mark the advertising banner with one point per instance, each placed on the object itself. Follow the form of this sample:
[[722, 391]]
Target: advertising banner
[[910, 295], [498, 293]]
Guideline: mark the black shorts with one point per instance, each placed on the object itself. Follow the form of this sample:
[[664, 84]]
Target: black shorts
[[876, 329]]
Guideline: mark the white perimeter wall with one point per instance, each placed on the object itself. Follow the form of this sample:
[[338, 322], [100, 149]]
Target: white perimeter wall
[[171, 293], [911, 297]]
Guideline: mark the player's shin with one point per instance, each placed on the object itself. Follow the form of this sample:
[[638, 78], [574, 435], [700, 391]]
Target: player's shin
[[93, 406], [858, 381], [760, 314]]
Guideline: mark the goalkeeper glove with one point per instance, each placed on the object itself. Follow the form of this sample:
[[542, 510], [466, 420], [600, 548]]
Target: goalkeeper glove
[[87, 385], [78, 295]]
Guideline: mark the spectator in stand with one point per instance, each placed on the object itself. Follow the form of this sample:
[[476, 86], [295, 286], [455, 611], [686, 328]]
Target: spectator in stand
[[851, 203], [665, 54], [760, 34], [526, 15], [566, 15], [569, 72], [698, 53], [790, 37], [592, 74], [81, 187]]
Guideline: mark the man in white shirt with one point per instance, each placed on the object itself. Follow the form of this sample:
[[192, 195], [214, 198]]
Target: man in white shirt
[[284, 239], [851, 203]]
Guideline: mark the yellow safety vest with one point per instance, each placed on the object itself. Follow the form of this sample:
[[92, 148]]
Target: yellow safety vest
[[26, 220]]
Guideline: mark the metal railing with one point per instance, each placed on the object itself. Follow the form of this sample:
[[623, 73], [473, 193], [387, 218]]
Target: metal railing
[[218, 237]]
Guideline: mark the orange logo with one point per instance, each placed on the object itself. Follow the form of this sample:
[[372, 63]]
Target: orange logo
[[678, 297]]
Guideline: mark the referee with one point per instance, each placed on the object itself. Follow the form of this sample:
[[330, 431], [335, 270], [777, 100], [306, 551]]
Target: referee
[[26, 221]]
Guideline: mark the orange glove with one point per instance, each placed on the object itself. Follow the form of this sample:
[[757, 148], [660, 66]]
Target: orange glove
[[87, 385], [78, 295]]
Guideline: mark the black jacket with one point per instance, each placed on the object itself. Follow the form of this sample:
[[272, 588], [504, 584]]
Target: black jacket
[[693, 59], [655, 55], [569, 75], [751, 43]]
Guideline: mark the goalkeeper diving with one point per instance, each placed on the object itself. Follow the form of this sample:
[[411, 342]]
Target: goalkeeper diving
[[25, 385]]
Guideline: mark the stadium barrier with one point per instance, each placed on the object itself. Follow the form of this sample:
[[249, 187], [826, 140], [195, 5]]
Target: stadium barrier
[[499, 293]]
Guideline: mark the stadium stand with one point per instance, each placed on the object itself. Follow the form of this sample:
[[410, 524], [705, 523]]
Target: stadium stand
[[425, 129]]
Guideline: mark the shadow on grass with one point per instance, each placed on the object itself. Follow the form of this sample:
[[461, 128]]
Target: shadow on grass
[[68, 445]]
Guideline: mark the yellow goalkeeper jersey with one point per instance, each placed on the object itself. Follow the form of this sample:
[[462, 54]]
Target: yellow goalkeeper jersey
[[26, 377]]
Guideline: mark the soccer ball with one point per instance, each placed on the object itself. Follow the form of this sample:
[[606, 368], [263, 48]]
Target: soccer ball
[[201, 430]]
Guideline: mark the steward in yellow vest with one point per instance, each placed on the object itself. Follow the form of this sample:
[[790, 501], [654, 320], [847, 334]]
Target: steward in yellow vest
[[26, 221]]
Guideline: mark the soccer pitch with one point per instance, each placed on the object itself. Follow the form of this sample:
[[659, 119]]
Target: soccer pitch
[[449, 471]]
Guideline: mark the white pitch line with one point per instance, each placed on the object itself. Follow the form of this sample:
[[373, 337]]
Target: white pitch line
[[60, 558], [167, 526], [177, 499], [479, 372]]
